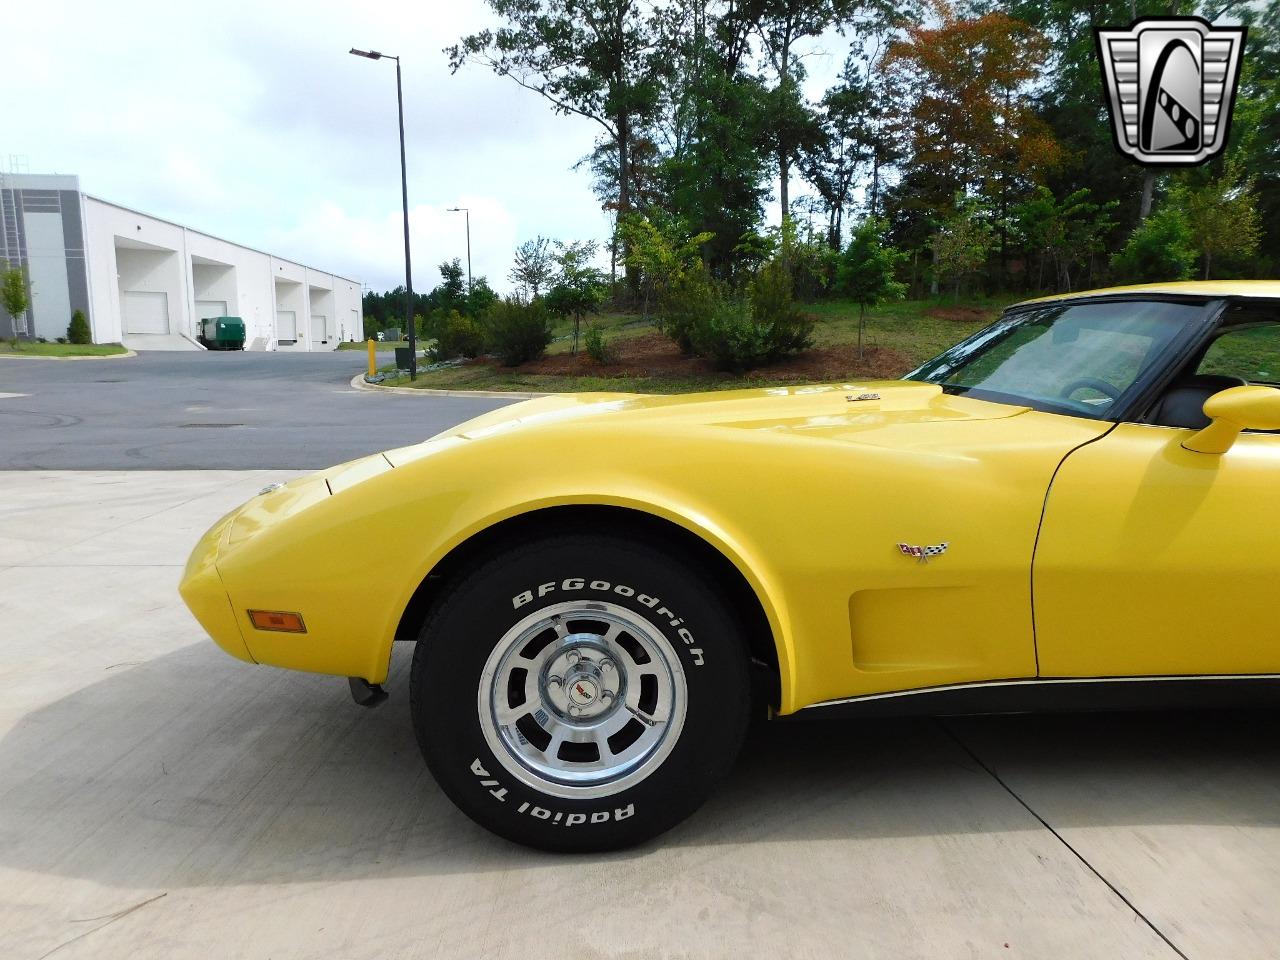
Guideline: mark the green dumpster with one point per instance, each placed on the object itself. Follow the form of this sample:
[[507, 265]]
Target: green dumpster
[[222, 333]]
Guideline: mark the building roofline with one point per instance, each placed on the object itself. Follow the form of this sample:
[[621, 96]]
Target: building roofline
[[211, 236]]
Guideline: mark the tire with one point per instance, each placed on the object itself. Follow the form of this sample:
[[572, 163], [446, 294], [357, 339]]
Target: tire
[[580, 693]]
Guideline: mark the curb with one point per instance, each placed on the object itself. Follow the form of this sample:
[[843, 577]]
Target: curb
[[110, 356], [358, 383]]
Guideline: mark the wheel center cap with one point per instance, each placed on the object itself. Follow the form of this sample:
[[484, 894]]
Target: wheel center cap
[[583, 691]]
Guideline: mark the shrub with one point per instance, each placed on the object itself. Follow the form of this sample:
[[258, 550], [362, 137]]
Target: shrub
[[517, 331], [737, 331], [1161, 248], [62, 339], [78, 331], [687, 302], [730, 338], [786, 329], [456, 336], [598, 348]]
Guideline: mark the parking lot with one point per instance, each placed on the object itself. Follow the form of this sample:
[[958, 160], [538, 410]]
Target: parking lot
[[158, 798], [201, 411]]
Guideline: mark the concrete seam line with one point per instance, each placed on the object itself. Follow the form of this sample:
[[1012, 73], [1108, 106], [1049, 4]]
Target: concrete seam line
[[1060, 838], [358, 383]]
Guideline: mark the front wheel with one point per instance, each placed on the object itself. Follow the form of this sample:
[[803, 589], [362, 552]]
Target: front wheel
[[580, 693]]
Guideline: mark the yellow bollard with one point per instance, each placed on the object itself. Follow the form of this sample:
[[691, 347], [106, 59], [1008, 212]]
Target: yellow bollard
[[373, 358]]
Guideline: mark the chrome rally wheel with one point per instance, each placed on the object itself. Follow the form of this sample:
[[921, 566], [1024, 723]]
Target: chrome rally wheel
[[582, 699], [580, 691]]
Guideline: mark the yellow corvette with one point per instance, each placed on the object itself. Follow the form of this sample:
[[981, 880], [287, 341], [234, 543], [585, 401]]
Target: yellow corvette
[[1079, 505]]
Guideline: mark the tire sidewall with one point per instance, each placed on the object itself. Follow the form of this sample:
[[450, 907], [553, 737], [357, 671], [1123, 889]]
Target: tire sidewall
[[459, 639]]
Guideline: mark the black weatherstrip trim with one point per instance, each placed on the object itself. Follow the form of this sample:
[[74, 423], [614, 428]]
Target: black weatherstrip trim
[[1035, 547]]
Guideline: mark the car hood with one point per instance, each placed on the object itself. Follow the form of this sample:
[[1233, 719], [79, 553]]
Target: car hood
[[867, 412]]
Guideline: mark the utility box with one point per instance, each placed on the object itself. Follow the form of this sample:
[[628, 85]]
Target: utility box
[[222, 333], [404, 357]]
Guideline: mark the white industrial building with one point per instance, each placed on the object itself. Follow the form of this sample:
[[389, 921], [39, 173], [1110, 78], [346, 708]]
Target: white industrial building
[[146, 282]]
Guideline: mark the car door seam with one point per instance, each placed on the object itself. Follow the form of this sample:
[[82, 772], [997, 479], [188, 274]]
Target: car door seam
[[1035, 546]]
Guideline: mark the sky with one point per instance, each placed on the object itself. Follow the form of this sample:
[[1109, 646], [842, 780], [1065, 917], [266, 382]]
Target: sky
[[250, 121]]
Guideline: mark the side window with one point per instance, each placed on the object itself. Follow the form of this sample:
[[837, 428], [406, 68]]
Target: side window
[[1251, 353]]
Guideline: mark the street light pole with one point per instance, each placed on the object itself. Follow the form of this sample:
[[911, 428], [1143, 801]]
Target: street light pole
[[404, 198], [467, 211]]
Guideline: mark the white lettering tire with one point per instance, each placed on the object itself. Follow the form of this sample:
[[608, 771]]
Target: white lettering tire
[[581, 692]]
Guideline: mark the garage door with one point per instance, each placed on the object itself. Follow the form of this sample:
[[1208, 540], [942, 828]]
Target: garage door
[[211, 308], [318, 328], [145, 312], [287, 326]]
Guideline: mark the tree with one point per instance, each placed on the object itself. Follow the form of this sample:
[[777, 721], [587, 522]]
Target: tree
[[781, 24], [13, 292], [1073, 102], [534, 266], [1161, 248], [1255, 128], [579, 288], [974, 129], [961, 247], [867, 274], [1067, 232], [664, 251], [78, 330], [480, 297], [451, 292], [1223, 216], [599, 59], [832, 162], [712, 130]]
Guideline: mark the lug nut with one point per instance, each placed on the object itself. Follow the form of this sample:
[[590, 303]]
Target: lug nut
[[574, 711], [573, 656], [606, 664], [554, 681]]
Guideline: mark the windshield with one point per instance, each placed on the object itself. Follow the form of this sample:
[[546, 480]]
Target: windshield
[[1073, 358]]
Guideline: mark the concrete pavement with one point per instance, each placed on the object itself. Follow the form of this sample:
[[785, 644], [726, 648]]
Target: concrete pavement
[[159, 799], [208, 410]]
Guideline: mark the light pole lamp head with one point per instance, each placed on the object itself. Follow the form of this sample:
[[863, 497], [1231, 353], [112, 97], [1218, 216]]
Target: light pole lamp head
[[367, 54]]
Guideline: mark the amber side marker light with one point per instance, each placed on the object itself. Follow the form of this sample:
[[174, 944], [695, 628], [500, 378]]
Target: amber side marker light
[[278, 621]]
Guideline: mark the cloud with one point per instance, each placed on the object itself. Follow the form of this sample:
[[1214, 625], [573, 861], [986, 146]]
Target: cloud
[[373, 246], [249, 120]]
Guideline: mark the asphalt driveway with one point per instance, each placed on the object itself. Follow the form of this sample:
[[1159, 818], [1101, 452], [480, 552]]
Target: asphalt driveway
[[200, 411], [159, 799]]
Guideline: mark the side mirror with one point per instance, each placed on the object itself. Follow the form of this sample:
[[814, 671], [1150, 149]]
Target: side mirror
[[1233, 410]]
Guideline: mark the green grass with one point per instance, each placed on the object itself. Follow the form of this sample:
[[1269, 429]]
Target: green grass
[[903, 327], [498, 378], [26, 349], [613, 324]]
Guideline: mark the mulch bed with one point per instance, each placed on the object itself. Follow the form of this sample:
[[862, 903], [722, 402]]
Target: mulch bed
[[962, 314], [654, 355]]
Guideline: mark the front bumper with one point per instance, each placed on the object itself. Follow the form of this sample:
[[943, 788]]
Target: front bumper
[[206, 596], [294, 548]]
